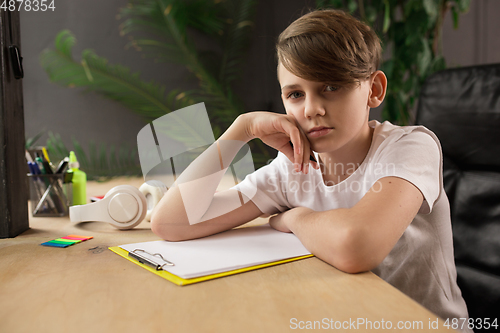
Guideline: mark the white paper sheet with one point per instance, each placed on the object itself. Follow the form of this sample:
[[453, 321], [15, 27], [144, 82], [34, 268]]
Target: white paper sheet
[[230, 250]]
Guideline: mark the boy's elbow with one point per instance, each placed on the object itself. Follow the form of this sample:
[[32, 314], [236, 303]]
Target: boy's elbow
[[354, 267], [351, 263], [163, 229], [355, 256], [157, 226]]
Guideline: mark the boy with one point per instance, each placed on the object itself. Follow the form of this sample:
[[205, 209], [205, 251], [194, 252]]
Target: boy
[[375, 198]]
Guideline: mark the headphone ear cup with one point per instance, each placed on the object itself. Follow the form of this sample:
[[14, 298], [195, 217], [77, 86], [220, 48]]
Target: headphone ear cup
[[127, 206], [153, 190], [124, 207]]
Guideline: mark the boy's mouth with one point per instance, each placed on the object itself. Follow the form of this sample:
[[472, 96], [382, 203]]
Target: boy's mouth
[[319, 131]]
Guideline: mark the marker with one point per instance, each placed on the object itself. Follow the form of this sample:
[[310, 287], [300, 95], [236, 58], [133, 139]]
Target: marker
[[47, 164], [39, 164], [46, 155], [47, 167], [62, 165], [28, 156]]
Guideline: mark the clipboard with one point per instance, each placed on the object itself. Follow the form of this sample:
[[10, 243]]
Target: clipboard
[[228, 253]]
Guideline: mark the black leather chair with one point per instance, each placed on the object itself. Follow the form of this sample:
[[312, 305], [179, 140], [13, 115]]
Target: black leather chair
[[462, 107]]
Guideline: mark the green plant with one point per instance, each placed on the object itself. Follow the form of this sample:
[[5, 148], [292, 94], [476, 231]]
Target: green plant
[[100, 163], [411, 34], [163, 30]]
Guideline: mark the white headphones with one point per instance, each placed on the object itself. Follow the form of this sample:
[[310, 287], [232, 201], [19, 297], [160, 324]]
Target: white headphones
[[124, 206], [153, 190]]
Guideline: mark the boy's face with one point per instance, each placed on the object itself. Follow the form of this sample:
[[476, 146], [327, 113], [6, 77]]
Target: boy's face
[[341, 112]]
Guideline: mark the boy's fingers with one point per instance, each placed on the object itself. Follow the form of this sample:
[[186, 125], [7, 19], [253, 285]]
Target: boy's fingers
[[288, 151], [315, 165], [293, 157], [307, 155], [297, 143], [298, 151], [303, 161], [312, 159]]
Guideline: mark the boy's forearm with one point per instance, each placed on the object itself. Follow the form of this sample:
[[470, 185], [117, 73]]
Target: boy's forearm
[[219, 155], [238, 129], [203, 174], [331, 236]]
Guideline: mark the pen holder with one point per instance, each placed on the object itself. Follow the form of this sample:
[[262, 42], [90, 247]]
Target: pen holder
[[49, 195]]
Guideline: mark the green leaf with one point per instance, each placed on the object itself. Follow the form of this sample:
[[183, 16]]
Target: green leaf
[[31, 141], [411, 6], [454, 13], [431, 7], [236, 40], [321, 3], [387, 17], [205, 16], [391, 111], [352, 5], [371, 14], [329, 4], [463, 5], [402, 97], [57, 149], [410, 85], [424, 57], [388, 67], [438, 63]]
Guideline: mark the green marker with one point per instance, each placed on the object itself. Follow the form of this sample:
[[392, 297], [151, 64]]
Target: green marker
[[79, 181]]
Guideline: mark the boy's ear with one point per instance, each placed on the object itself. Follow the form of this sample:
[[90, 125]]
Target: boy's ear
[[378, 89]]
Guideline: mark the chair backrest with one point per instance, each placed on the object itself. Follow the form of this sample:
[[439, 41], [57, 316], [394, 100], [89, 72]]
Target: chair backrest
[[462, 107]]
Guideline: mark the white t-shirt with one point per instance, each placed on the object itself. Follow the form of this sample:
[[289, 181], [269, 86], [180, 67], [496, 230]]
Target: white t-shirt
[[421, 264]]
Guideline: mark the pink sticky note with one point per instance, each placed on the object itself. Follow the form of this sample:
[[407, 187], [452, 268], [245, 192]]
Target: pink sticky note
[[74, 238], [80, 237]]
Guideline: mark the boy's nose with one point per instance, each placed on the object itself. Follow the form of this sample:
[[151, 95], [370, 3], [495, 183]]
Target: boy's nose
[[313, 108]]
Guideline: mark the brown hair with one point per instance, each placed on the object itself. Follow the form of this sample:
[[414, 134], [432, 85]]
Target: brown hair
[[329, 46]]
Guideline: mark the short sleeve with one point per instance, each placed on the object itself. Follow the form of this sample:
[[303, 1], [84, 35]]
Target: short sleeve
[[263, 187], [415, 157]]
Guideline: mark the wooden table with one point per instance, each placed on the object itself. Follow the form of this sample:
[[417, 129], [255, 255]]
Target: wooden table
[[88, 288]]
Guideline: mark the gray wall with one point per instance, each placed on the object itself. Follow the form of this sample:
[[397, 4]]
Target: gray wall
[[85, 117], [476, 41]]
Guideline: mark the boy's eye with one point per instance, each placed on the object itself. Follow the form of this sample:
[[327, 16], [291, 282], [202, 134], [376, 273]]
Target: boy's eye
[[331, 88], [294, 94]]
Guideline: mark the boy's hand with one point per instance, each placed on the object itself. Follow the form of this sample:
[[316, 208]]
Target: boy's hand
[[282, 221], [277, 130], [278, 222]]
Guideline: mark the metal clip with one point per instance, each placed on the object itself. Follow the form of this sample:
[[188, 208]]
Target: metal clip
[[144, 260]]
